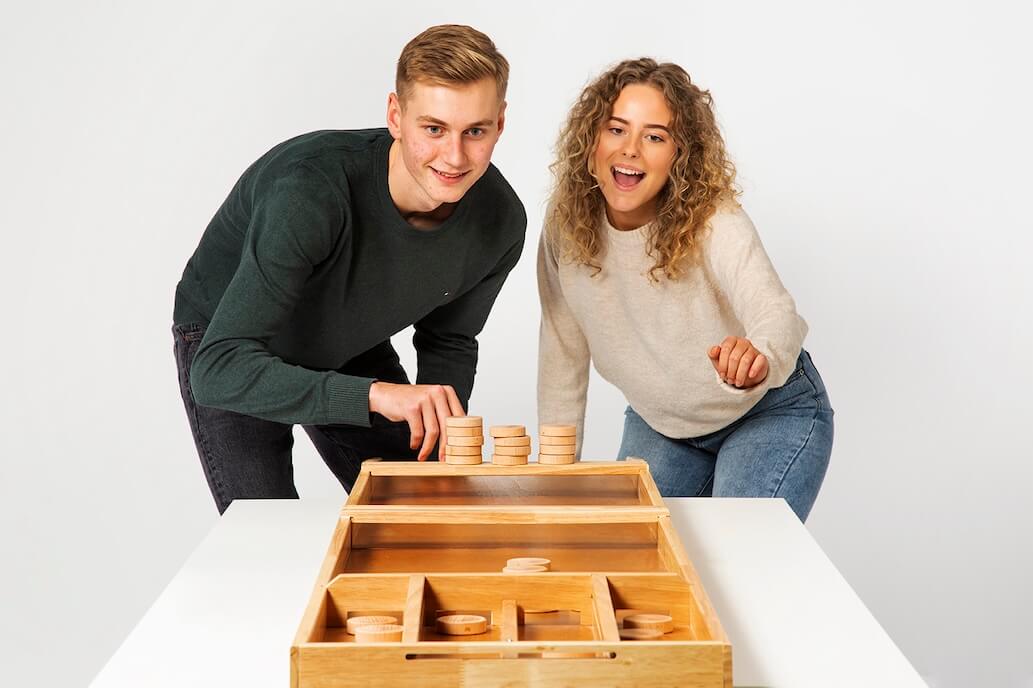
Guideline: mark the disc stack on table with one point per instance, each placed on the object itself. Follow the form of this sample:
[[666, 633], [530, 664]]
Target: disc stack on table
[[465, 440], [557, 444], [512, 445]]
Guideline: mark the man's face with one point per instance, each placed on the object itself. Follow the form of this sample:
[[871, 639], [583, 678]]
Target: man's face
[[445, 135]]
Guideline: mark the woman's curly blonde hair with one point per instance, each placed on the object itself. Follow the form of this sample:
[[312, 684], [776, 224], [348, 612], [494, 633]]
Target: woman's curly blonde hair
[[701, 175]]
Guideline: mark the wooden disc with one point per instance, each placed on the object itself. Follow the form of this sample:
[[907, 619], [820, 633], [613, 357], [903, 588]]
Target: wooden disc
[[507, 430], [524, 569], [454, 441], [555, 459], [529, 561], [356, 621], [464, 422], [640, 634], [461, 624], [463, 460], [513, 451], [455, 431], [547, 441], [521, 441], [378, 633], [552, 430], [556, 449], [500, 460], [655, 622], [462, 451]]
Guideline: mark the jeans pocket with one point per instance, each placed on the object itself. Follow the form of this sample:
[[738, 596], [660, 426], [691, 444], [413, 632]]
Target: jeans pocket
[[189, 332]]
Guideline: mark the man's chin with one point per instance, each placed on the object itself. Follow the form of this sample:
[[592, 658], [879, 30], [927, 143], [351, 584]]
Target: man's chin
[[450, 193]]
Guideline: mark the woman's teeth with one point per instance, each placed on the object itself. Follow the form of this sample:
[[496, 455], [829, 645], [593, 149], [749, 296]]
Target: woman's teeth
[[626, 177]]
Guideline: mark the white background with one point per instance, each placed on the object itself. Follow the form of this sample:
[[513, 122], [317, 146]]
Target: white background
[[884, 151]]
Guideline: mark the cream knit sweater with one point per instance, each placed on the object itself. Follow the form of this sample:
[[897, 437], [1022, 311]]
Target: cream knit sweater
[[651, 339]]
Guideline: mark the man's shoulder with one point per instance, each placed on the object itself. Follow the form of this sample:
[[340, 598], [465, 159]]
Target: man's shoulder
[[330, 157], [326, 145], [494, 196]]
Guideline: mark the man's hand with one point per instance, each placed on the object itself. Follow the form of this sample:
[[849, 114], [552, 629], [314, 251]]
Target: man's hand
[[738, 362], [423, 407]]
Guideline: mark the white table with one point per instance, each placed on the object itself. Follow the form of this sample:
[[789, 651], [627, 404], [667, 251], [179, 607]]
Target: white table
[[229, 616]]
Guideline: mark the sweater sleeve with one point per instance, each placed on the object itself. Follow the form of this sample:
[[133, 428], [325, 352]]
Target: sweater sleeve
[[746, 277], [563, 352], [294, 225], [446, 338]]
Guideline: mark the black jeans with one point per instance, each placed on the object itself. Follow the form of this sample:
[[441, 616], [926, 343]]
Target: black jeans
[[244, 457]]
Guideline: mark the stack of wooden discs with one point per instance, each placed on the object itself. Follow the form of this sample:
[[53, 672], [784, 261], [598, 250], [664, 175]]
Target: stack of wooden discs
[[465, 439], [527, 565], [512, 445], [557, 444]]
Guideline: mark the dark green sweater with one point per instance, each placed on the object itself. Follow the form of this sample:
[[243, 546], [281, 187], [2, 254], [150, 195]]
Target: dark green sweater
[[308, 265]]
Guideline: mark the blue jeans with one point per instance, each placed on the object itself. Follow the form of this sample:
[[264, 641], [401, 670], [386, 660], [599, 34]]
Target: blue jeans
[[780, 448], [244, 457]]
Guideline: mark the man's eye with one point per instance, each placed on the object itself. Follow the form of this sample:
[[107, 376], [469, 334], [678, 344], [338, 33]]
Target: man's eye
[[433, 130], [476, 132]]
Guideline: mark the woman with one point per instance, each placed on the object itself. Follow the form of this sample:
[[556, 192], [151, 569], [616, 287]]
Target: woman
[[649, 267]]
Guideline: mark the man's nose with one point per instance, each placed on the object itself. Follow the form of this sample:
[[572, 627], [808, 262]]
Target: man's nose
[[454, 153]]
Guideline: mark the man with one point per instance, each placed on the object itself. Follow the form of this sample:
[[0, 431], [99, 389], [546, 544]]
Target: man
[[329, 244]]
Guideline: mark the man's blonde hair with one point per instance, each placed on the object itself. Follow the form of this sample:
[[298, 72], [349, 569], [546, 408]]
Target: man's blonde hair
[[450, 54]]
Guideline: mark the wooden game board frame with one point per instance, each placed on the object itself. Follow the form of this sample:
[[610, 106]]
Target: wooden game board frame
[[559, 628]]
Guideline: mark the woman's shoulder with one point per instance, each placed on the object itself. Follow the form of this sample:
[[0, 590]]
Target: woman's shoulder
[[730, 226]]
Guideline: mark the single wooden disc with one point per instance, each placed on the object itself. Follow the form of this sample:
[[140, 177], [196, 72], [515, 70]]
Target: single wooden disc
[[556, 459], [513, 451], [547, 441], [462, 451], [501, 460], [524, 569], [356, 621], [640, 634], [378, 633], [556, 450], [529, 561], [456, 431], [464, 422], [558, 430], [521, 441], [655, 622], [454, 441], [463, 460], [461, 624], [507, 430]]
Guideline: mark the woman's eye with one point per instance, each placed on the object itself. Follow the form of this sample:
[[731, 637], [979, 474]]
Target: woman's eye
[[655, 139], [617, 131]]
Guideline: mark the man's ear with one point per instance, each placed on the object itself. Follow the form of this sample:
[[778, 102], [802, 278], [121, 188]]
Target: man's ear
[[394, 116], [502, 117]]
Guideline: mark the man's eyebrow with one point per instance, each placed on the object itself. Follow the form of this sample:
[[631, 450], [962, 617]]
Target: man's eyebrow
[[648, 126], [434, 120]]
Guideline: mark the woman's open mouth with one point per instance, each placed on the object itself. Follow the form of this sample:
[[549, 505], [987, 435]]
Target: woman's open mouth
[[626, 178]]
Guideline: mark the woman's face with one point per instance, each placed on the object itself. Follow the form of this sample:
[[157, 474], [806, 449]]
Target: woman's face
[[633, 155]]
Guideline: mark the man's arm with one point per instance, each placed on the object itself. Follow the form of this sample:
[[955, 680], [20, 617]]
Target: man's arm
[[294, 226], [446, 338]]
